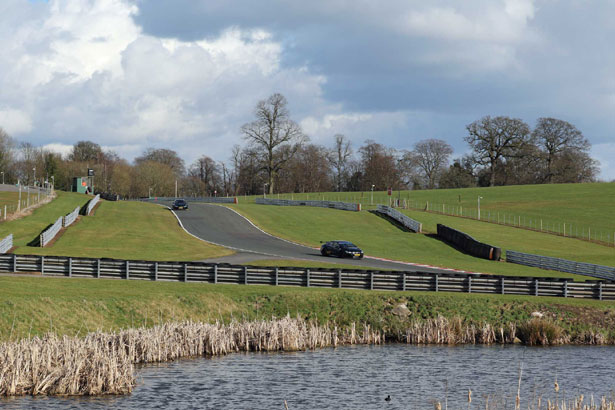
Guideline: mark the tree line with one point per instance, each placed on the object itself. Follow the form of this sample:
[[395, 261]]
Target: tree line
[[278, 157]]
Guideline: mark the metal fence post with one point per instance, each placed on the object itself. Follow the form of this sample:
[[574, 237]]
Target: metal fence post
[[245, 275], [403, 283], [600, 291], [185, 272], [155, 271], [127, 270], [339, 278], [14, 263], [98, 269], [565, 288], [437, 282], [371, 281], [535, 287], [307, 276], [277, 276], [42, 265], [215, 274], [502, 285], [70, 267], [469, 284]]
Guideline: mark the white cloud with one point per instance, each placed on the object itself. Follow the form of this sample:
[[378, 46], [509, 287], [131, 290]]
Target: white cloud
[[15, 121], [605, 153], [59, 148], [94, 75]]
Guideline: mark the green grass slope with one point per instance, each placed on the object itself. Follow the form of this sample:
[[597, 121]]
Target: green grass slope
[[520, 240], [129, 230], [32, 306], [583, 207], [28, 228], [375, 235]]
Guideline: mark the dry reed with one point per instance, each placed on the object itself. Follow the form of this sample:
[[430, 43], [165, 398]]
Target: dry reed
[[102, 363]]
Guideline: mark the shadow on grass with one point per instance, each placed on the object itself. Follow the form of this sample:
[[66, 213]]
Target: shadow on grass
[[36, 242], [391, 221]]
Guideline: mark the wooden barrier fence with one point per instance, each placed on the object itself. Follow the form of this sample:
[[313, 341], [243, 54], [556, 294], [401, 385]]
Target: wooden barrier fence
[[294, 276]]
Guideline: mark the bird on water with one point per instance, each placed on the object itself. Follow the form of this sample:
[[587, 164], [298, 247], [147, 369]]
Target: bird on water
[[388, 398]]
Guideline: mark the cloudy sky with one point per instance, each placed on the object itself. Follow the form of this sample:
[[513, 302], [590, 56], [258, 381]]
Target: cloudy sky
[[186, 74]]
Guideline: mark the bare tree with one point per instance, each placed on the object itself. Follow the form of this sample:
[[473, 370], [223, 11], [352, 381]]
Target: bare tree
[[274, 135], [555, 137], [494, 139], [86, 151], [207, 171], [431, 157], [380, 167], [7, 146], [163, 156], [339, 159]]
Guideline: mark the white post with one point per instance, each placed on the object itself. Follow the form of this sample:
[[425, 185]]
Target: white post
[[19, 202], [479, 207]]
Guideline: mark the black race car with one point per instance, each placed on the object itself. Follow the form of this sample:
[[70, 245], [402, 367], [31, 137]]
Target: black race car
[[341, 249], [180, 204]]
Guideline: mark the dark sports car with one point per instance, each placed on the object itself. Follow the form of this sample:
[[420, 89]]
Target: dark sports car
[[180, 204], [341, 249]]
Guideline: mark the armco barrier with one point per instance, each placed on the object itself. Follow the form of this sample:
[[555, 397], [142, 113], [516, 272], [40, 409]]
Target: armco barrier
[[6, 244], [207, 199], [562, 265], [110, 197], [70, 218], [404, 220], [51, 232], [345, 206], [202, 272], [468, 244], [92, 204]]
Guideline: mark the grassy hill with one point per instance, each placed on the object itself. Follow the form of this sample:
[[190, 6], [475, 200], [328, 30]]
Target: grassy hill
[[584, 208], [26, 230], [129, 230], [378, 237]]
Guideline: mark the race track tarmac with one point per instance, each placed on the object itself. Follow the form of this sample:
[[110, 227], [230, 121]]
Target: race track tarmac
[[223, 226]]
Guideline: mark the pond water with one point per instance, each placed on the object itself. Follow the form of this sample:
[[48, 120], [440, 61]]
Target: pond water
[[360, 377]]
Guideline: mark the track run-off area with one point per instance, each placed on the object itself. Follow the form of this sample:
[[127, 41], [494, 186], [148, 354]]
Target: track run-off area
[[225, 227]]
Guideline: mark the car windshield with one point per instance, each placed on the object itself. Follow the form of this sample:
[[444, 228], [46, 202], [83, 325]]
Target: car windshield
[[180, 202], [347, 244]]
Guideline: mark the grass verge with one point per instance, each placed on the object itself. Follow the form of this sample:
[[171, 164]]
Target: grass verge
[[33, 306]]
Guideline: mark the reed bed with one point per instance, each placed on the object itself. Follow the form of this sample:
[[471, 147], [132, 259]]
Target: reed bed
[[102, 363]]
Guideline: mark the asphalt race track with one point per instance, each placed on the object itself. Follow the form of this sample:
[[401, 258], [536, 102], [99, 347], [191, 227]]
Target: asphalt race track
[[223, 226]]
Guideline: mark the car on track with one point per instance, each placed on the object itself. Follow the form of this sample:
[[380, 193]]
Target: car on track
[[180, 204], [341, 249]]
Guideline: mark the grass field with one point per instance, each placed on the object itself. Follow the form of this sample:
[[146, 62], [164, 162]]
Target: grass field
[[582, 207], [378, 237], [127, 230], [34, 306]]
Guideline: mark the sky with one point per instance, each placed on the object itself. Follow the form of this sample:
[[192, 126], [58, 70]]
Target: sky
[[187, 74]]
